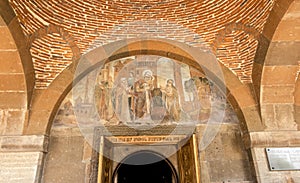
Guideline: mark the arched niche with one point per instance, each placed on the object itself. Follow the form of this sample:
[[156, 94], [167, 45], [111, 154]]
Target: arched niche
[[64, 126]]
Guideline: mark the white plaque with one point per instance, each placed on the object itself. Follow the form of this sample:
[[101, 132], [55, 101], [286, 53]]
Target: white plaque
[[283, 158]]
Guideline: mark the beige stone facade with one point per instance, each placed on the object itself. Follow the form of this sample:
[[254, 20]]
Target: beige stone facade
[[46, 47]]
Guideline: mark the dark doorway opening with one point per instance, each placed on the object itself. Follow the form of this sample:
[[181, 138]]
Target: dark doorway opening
[[145, 167]]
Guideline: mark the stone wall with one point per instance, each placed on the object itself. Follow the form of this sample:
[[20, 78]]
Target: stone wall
[[226, 158], [68, 158]]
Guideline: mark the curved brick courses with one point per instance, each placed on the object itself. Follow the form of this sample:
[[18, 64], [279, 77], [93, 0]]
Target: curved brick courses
[[93, 23]]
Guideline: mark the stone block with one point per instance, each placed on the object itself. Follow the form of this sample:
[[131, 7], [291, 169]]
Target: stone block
[[283, 53], [288, 29], [25, 57], [278, 94], [274, 18], [295, 7], [17, 34], [62, 82], [268, 116], [259, 155], [231, 82], [15, 82], [233, 146], [244, 96], [65, 132], [257, 76], [15, 122], [10, 62], [13, 100], [215, 149], [38, 122], [284, 115], [46, 99], [253, 119], [6, 39], [229, 171], [279, 75]]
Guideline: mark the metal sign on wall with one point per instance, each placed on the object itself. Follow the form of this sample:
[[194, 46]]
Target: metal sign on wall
[[283, 158]]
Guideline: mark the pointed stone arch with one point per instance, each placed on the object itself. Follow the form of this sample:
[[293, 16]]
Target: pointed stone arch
[[279, 73], [16, 72]]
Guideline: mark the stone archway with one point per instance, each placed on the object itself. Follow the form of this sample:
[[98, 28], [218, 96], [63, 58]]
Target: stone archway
[[17, 74], [279, 88], [48, 101], [279, 74]]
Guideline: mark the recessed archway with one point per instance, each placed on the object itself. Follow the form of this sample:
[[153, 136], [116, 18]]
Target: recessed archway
[[145, 166], [135, 50]]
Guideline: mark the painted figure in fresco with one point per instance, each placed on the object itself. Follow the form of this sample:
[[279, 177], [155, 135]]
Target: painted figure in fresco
[[190, 89], [171, 99], [204, 92], [131, 80], [158, 108], [102, 103], [105, 103], [121, 96], [142, 89]]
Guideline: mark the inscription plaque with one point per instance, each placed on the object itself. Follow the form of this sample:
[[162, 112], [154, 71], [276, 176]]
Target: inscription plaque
[[283, 158]]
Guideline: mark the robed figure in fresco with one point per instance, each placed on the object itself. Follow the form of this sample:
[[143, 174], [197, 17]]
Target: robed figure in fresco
[[204, 92], [142, 89], [122, 108], [171, 98], [105, 107]]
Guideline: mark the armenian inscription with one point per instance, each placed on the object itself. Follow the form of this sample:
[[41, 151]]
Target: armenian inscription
[[146, 139], [283, 158]]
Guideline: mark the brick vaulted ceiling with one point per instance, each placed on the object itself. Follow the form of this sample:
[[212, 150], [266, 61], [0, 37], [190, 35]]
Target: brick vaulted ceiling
[[55, 28]]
